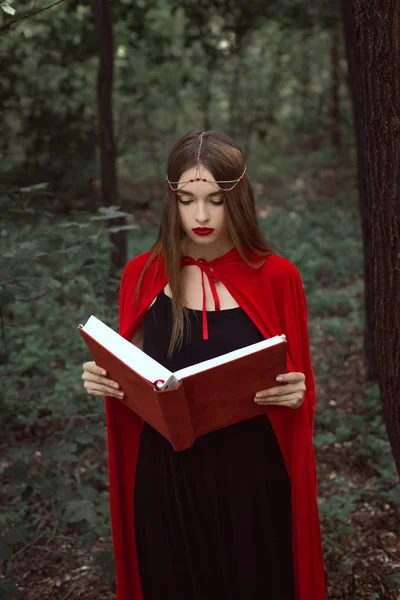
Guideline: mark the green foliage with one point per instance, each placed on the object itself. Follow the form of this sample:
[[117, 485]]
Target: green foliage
[[54, 275], [338, 507], [366, 434], [106, 561], [260, 73], [365, 431], [8, 589]]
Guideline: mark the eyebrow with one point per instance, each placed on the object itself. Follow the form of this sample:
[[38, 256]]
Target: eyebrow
[[182, 193]]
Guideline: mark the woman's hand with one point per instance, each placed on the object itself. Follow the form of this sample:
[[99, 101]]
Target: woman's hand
[[291, 394], [97, 383]]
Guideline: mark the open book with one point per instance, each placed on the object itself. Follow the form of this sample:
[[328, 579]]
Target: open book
[[194, 400]]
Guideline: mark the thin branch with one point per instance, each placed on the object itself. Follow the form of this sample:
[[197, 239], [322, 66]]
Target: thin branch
[[27, 546], [32, 14], [3, 333], [63, 554]]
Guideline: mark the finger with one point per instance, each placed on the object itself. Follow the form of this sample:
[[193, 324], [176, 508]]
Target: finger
[[289, 404], [278, 391], [93, 387], [288, 399], [112, 394], [103, 392], [298, 404], [292, 377], [93, 368], [95, 392], [89, 376]]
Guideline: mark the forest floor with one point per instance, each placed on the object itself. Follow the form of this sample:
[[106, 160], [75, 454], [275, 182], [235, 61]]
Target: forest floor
[[59, 568]]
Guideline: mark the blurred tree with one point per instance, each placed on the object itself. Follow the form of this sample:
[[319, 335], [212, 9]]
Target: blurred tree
[[178, 65], [335, 65], [354, 81], [108, 170], [47, 126], [377, 35]]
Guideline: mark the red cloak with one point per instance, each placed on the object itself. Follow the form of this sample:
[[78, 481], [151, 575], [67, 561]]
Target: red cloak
[[273, 298]]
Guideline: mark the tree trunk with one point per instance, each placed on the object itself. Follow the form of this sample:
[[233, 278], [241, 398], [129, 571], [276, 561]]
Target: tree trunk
[[108, 169], [335, 62], [234, 93], [377, 33], [353, 60], [151, 140], [304, 80], [207, 100]]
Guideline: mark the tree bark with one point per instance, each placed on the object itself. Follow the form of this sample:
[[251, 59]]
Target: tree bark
[[353, 60], [377, 33], [108, 167], [335, 89]]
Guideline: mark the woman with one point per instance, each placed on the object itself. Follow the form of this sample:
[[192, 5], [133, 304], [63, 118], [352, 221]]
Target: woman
[[235, 516]]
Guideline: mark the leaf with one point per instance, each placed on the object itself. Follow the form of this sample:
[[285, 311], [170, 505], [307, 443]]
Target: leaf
[[83, 437], [50, 282], [5, 551], [79, 510], [346, 529], [394, 495], [108, 212], [65, 493], [31, 287], [88, 493], [323, 439], [106, 561], [394, 579], [36, 186], [122, 228], [8, 589], [6, 297], [67, 224], [104, 508], [8, 9], [16, 535], [27, 492]]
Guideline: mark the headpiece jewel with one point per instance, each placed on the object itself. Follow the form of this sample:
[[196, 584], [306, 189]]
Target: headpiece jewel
[[197, 178]]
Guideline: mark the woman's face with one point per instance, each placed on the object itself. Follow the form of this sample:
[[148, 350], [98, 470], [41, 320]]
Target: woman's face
[[202, 212]]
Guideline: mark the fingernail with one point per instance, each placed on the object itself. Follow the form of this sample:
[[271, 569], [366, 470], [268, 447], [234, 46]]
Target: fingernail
[[116, 385], [280, 378], [103, 372]]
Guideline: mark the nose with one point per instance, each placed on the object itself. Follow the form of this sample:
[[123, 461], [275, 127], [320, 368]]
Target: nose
[[202, 215]]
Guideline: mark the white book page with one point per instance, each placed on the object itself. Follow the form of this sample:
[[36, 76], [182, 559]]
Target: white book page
[[132, 356], [224, 358]]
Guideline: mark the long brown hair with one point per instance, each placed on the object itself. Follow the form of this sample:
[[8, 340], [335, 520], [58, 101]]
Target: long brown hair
[[224, 159]]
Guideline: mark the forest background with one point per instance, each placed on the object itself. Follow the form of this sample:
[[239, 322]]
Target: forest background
[[274, 76]]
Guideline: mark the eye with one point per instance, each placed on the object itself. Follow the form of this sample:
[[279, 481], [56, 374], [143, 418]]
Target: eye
[[182, 201], [217, 202]]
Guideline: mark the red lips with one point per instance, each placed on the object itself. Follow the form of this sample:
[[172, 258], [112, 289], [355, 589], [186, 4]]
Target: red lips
[[202, 230]]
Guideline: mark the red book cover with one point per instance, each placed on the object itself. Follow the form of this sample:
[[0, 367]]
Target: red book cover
[[202, 402]]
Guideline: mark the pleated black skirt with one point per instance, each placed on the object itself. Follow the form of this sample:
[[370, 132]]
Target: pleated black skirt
[[213, 521]]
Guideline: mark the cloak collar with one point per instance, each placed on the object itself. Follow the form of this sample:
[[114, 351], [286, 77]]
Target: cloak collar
[[210, 270]]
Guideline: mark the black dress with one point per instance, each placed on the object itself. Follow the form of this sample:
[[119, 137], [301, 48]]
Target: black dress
[[213, 521]]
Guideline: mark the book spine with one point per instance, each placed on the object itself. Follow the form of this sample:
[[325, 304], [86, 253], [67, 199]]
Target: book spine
[[177, 418]]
